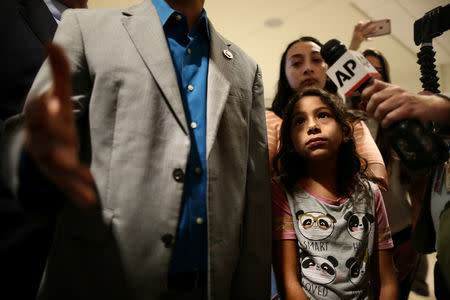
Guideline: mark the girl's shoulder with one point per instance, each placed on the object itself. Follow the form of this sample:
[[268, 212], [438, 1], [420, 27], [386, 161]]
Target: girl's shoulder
[[366, 189]]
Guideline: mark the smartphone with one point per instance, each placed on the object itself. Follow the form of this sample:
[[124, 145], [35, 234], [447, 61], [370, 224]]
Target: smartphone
[[383, 27]]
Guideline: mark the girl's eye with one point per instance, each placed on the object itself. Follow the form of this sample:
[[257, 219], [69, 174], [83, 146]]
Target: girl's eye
[[299, 121], [323, 115], [319, 60]]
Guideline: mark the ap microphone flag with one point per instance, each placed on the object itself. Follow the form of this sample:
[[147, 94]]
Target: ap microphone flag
[[349, 70]]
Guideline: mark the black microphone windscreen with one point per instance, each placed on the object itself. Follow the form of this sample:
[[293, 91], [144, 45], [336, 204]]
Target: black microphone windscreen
[[332, 50]]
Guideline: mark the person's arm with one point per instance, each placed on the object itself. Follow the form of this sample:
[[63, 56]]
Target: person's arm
[[383, 271], [387, 277], [51, 137], [52, 140], [252, 275], [388, 103], [273, 136], [368, 149], [362, 28], [285, 268]]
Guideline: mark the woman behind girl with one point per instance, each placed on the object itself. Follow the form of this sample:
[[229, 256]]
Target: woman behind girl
[[331, 235], [302, 67]]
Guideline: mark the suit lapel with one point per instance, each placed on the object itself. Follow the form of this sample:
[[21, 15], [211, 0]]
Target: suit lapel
[[145, 30], [39, 18], [219, 69]]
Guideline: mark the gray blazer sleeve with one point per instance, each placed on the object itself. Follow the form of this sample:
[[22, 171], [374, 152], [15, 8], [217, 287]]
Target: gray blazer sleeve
[[252, 280], [69, 37]]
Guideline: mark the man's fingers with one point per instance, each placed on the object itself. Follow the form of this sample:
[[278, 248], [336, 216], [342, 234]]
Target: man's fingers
[[80, 187], [36, 113], [72, 178], [388, 113], [52, 139], [367, 98], [59, 99], [61, 72], [52, 133], [75, 186], [51, 115]]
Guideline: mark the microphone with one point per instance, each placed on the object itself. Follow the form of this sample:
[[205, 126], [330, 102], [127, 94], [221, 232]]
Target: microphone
[[348, 69], [418, 147]]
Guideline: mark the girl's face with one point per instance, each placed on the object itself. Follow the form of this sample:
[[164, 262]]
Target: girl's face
[[305, 67], [315, 133]]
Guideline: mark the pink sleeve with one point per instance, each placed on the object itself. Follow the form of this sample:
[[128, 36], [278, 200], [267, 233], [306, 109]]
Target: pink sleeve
[[383, 229], [365, 144], [282, 225], [273, 124]]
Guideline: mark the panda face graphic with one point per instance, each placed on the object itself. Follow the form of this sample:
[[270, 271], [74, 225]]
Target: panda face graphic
[[358, 224], [318, 269], [315, 225], [357, 268]]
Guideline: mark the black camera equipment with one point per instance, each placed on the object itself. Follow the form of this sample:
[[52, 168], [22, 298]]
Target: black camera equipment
[[431, 25], [419, 146]]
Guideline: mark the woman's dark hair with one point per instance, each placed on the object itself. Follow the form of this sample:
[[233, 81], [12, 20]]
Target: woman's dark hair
[[288, 164], [284, 91], [384, 64]]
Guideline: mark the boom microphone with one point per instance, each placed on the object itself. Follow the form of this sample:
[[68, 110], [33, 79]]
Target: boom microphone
[[418, 147]]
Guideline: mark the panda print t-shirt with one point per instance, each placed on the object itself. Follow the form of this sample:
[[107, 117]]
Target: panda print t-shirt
[[335, 238]]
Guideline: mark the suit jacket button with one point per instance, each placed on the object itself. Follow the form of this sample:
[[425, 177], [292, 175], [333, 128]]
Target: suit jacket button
[[167, 240], [178, 175]]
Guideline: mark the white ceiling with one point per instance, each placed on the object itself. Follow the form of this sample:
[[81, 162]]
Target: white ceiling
[[243, 22]]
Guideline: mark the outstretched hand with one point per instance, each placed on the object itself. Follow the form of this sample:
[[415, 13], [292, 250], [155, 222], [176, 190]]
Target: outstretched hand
[[388, 104], [52, 138], [362, 29]]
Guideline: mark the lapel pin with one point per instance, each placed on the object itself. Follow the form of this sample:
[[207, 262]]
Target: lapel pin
[[228, 54]]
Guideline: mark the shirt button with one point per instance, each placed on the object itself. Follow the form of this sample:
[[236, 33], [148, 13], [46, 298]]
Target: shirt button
[[193, 125], [190, 87], [178, 17], [198, 170], [178, 175], [199, 221], [188, 50]]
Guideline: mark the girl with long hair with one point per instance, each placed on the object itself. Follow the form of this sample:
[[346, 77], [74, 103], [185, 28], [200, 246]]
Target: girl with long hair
[[331, 237]]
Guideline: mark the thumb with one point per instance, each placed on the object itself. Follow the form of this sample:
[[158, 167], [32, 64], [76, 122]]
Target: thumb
[[61, 88]]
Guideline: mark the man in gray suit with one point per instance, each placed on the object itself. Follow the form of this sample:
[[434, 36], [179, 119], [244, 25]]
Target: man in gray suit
[[161, 187]]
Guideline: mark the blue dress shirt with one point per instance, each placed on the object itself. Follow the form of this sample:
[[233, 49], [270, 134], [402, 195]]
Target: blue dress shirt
[[190, 55], [56, 8]]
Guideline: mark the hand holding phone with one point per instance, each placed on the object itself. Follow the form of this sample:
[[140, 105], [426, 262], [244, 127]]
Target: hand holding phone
[[366, 30]]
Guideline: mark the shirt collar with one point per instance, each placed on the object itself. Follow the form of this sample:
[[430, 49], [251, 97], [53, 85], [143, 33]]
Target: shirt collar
[[56, 8], [165, 11]]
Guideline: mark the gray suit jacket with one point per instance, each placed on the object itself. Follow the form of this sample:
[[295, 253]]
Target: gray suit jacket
[[135, 133]]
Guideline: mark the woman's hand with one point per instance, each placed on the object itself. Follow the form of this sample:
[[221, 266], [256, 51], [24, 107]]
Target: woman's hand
[[362, 29]]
